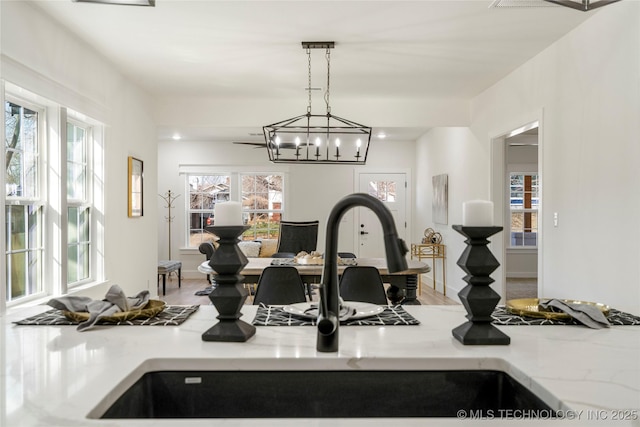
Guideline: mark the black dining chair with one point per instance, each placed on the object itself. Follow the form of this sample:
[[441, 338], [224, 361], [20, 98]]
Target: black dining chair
[[362, 283], [279, 285], [207, 249], [297, 236]]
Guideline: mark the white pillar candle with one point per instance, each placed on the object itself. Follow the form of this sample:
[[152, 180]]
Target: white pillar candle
[[227, 213], [477, 213]]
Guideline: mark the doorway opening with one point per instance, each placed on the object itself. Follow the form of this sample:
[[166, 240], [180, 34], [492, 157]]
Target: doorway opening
[[517, 190]]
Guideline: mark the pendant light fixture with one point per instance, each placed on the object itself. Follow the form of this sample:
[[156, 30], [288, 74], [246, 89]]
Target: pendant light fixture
[[583, 5], [318, 138]]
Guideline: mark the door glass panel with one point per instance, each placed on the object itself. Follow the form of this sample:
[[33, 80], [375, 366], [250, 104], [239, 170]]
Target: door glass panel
[[383, 190]]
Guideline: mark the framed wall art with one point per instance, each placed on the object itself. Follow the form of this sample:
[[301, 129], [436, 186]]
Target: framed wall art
[[439, 205], [135, 187]]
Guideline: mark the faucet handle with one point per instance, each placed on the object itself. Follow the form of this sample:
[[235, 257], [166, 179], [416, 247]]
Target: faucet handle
[[402, 245]]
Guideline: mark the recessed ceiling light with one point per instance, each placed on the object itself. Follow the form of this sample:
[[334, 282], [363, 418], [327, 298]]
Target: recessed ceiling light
[[176, 137], [382, 135]]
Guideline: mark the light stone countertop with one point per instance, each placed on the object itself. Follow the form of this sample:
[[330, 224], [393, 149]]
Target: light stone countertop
[[56, 376]]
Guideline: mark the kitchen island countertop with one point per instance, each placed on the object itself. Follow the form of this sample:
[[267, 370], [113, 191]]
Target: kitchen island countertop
[[57, 376]]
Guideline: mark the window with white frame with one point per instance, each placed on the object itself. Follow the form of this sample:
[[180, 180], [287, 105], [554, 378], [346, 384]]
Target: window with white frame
[[204, 192], [78, 203], [45, 178], [524, 201], [24, 203], [262, 204]]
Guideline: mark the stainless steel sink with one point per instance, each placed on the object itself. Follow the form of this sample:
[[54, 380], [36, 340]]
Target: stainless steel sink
[[323, 394]]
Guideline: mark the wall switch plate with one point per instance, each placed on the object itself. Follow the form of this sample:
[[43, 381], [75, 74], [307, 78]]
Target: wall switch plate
[[555, 219]]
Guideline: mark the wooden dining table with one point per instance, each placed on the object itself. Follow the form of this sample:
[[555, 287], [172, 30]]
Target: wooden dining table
[[403, 284]]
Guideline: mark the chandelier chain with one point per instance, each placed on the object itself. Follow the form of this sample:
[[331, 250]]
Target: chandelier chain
[[309, 83], [326, 94]]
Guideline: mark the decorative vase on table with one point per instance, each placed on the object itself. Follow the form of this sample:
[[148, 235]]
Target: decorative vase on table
[[478, 298], [229, 296]]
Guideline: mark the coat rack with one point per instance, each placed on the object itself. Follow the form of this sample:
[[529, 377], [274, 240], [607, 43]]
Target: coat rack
[[169, 198]]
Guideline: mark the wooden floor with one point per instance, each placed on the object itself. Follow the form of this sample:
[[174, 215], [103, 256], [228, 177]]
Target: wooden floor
[[521, 288], [185, 295]]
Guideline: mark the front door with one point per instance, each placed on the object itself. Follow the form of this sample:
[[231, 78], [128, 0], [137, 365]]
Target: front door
[[391, 189]]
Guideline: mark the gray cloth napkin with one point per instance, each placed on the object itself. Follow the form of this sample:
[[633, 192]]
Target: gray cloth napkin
[[115, 301], [588, 315]]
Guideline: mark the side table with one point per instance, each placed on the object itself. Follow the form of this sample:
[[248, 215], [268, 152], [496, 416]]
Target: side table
[[432, 251]]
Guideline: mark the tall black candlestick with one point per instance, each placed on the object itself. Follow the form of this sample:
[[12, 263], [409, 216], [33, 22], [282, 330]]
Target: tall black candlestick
[[229, 296], [477, 297]]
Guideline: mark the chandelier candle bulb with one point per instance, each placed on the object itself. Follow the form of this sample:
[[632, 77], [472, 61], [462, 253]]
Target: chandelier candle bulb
[[228, 213], [477, 213]]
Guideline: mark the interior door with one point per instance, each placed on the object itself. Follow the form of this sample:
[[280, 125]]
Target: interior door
[[391, 189]]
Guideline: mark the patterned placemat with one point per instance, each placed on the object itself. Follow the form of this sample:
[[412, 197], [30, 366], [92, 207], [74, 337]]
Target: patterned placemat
[[503, 317], [172, 315], [275, 316]]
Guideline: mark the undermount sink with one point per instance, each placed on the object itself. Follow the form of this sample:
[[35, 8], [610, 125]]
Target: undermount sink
[[323, 394]]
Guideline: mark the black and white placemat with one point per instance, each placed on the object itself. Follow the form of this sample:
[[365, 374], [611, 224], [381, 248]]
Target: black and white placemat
[[172, 315], [501, 316], [394, 315]]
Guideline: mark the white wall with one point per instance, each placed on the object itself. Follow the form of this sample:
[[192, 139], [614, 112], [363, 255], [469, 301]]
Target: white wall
[[587, 86], [44, 58], [311, 190], [456, 152]]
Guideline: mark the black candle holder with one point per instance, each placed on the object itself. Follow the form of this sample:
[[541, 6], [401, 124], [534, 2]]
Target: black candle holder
[[477, 297], [229, 296]]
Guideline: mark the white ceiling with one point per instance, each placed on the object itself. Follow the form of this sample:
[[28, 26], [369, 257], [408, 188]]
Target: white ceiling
[[251, 49]]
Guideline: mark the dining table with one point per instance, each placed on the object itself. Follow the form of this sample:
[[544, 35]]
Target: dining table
[[403, 284]]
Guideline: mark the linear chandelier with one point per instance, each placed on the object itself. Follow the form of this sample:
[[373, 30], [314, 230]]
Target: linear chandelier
[[318, 138], [583, 5]]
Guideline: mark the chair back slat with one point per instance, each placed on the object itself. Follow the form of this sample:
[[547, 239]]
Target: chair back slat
[[362, 283], [279, 285], [297, 236]]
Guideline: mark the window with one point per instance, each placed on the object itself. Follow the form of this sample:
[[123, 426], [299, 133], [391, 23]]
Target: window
[[262, 205], [52, 237], [78, 204], [262, 202], [524, 199], [204, 192], [24, 208]]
